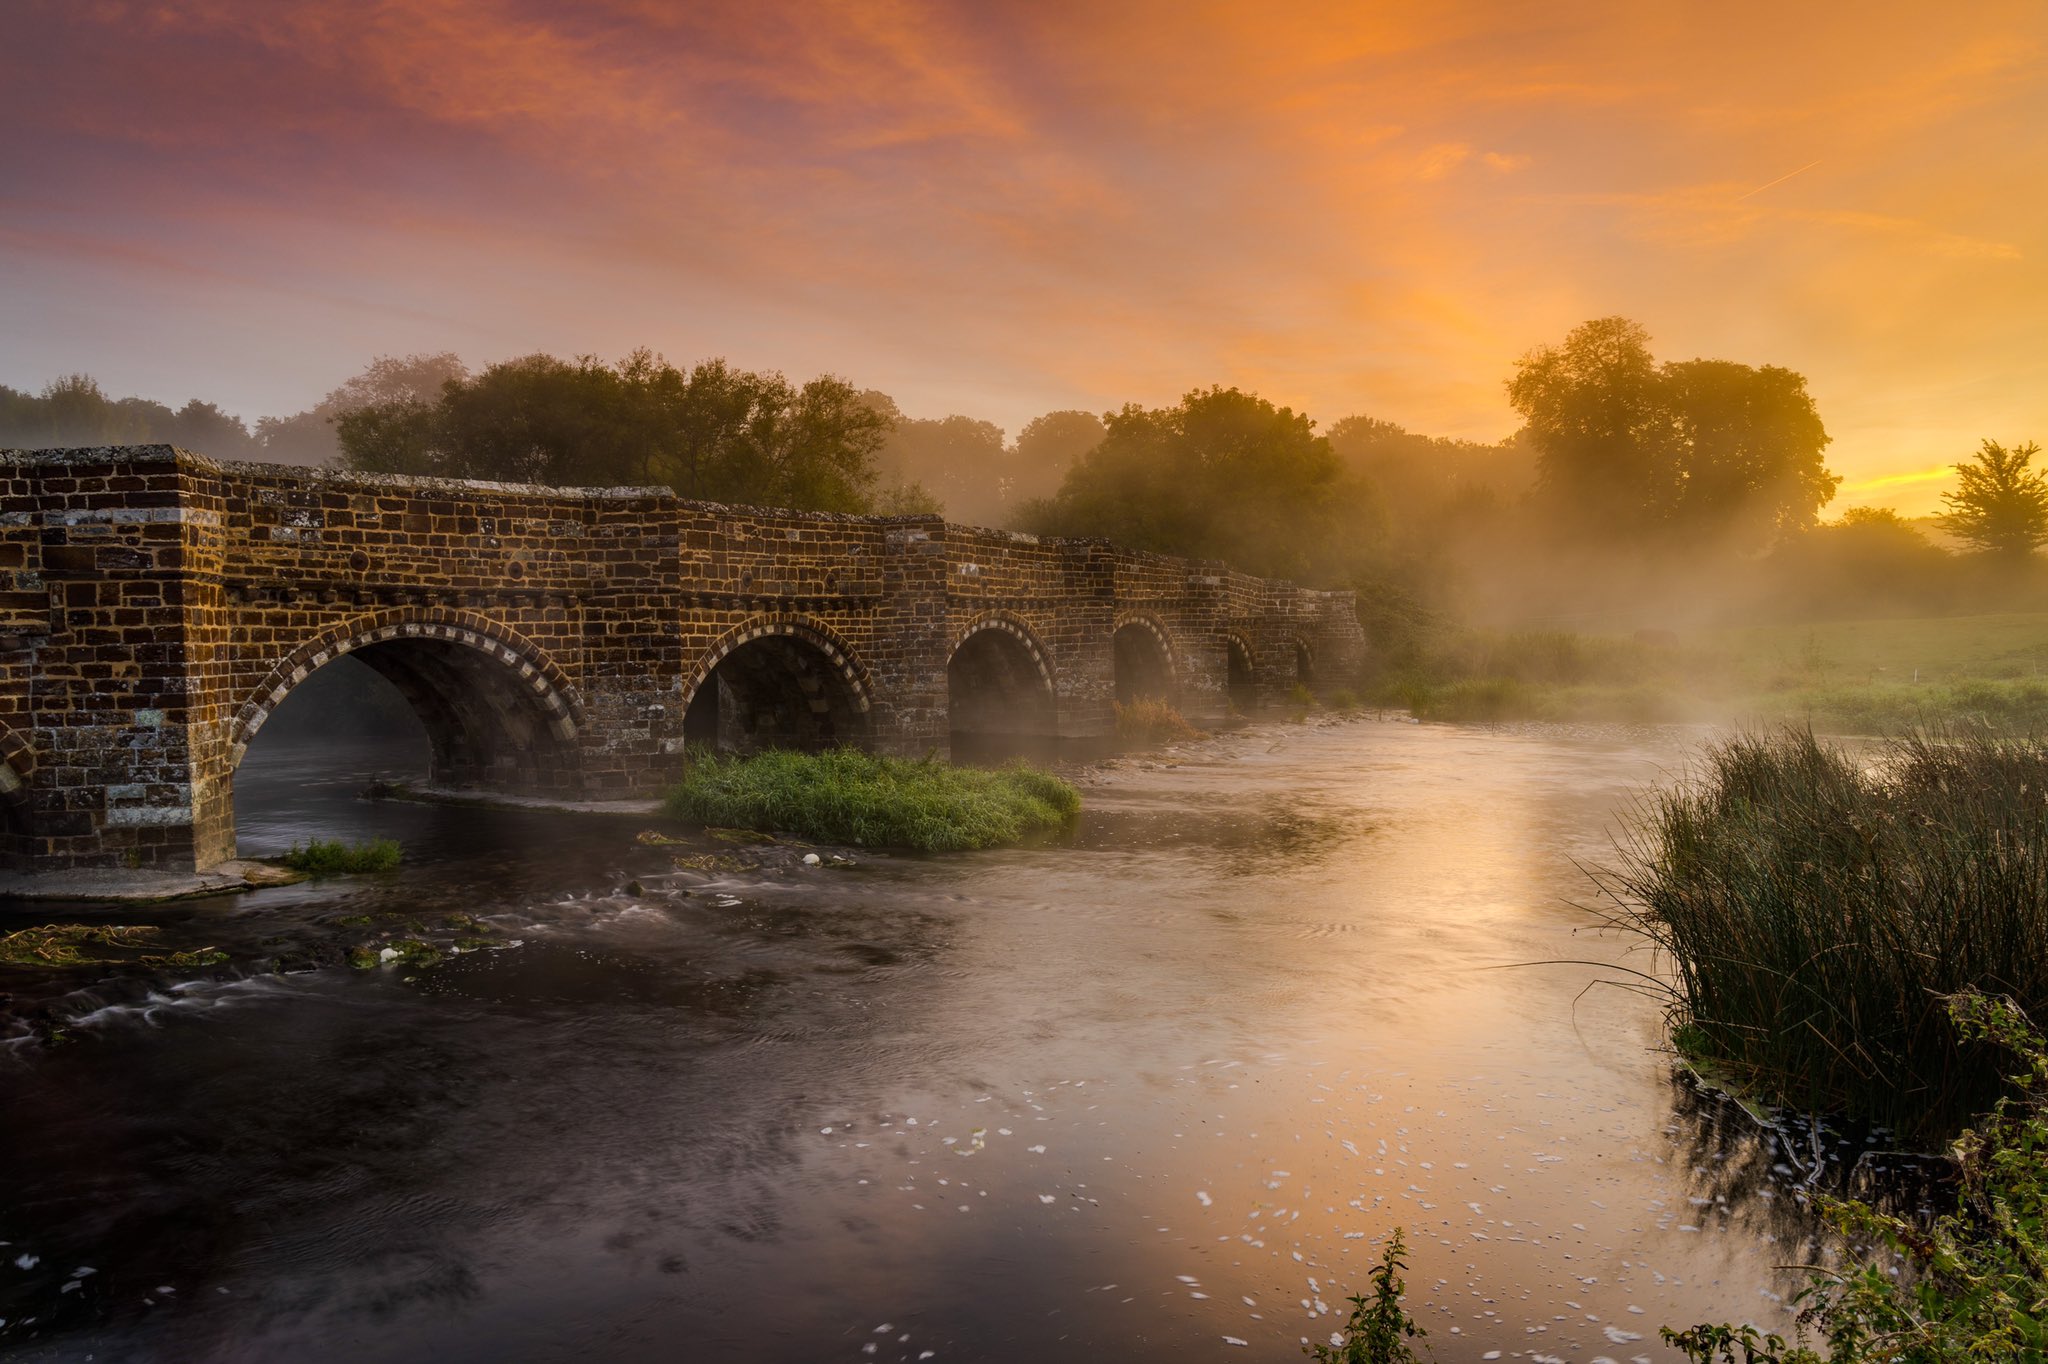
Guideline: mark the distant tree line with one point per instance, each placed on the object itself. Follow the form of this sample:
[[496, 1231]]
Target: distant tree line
[[1632, 480]]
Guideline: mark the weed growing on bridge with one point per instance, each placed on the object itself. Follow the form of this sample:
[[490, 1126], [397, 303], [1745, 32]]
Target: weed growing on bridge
[[1148, 721], [324, 857], [847, 796]]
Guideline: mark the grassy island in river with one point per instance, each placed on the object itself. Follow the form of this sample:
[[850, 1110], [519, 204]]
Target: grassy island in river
[[847, 796]]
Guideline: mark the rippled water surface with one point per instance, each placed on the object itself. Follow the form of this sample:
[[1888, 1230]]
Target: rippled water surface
[[1154, 1095]]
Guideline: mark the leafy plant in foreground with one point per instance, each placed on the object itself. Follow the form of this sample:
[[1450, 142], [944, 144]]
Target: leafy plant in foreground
[[1973, 1286], [1380, 1328]]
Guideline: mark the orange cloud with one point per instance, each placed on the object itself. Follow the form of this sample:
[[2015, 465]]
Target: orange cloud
[[1003, 208]]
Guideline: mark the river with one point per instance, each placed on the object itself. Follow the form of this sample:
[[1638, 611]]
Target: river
[[1153, 1094]]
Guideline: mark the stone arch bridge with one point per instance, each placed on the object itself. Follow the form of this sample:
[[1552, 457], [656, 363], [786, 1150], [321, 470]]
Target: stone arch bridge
[[156, 607]]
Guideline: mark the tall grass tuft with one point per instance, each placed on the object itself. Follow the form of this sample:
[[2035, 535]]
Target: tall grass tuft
[[1818, 910], [1148, 720], [325, 857], [847, 796]]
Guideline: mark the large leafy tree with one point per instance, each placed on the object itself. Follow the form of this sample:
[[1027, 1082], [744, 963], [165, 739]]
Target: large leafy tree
[[1224, 474], [715, 433], [1744, 450], [1595, 410], [310, 437], [958, 463], [1700, 449], [2001, 506], [1048, 447]]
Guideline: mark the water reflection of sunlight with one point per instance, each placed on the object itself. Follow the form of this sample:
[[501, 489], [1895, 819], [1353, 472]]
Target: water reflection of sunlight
[[1166, 1088]]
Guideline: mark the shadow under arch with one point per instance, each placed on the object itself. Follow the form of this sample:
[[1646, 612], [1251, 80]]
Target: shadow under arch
[[1304, 657], [781, 681], [1240, 671], [497, 711], [999, 686], [1144, 658], [17, 826]]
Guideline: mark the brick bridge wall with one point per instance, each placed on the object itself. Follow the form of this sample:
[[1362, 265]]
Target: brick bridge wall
[[156, 606]]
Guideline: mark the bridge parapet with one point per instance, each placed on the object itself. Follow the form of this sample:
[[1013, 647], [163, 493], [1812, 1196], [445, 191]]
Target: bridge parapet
[[156, 607]]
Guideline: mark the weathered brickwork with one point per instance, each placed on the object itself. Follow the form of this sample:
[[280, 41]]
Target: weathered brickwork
[[156, 607]]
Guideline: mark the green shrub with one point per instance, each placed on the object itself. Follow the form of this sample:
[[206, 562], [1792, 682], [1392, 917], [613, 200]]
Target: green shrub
[[323, 857], [1816, 912], [1147, 720], [1380, 1328], [1974, 1285], [1343, 699], [847, 796]]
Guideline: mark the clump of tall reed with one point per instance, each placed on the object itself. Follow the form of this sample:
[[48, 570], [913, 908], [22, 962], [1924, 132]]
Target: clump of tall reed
[[1148, 720], [847, 796], [1817, 910]]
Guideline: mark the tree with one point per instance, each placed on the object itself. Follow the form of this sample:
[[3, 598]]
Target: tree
[[961, 460], [1746, 450], [310, 437], [1700, 449], [1594, 409], [2002, 506], [74, 410], [1047, 448], [1420, 474], [1225, 475], [715, 433]]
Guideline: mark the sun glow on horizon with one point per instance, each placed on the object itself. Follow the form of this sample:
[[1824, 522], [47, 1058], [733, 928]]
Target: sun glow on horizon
[[1003, 210]]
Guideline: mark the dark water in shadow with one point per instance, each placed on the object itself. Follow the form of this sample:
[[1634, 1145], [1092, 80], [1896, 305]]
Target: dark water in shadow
[[1141, 1097]]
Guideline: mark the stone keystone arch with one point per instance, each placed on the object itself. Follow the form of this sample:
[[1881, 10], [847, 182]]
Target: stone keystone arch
[[813, 632], [1239, 640], [1017, 628], [1155, 627], [540, 675]]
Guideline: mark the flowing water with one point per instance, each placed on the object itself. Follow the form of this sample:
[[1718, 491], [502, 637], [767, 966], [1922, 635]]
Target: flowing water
[[1158, 1093]]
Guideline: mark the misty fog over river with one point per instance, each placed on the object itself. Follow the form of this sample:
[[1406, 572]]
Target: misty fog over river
[[1157, 1093]]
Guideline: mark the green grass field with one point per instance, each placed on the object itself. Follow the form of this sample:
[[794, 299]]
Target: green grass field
[[1942, 649], [1848, 677]]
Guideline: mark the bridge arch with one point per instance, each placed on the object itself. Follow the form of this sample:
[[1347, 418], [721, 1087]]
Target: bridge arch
[[777, 681], [1301, 653], [17, 769], [1146, 663], [498, 711], [1240, 669], [999, 681]]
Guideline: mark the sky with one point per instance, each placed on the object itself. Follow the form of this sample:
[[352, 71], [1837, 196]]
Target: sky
[[1003, 208]]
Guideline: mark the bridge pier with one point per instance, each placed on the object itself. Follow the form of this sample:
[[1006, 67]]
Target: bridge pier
[[157, 607]]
